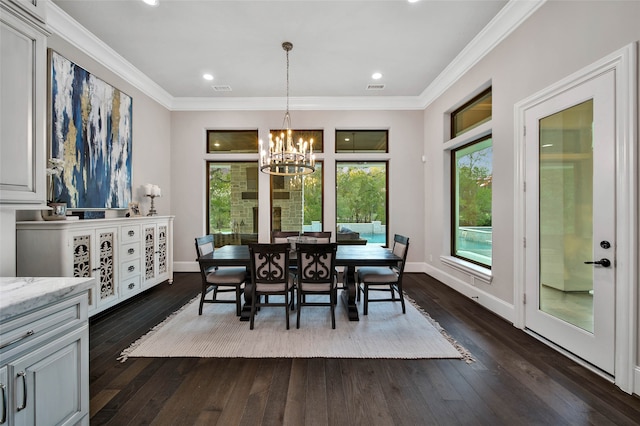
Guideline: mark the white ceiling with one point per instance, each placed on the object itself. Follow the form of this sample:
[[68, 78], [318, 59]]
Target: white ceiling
[[338, 44]]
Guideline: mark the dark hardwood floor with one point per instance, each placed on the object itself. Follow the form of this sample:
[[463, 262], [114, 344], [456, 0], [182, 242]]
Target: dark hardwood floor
[[515, 379]]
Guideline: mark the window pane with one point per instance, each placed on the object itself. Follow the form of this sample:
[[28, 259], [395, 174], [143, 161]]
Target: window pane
[[361, 202], [472, 184], [362, 141], [306, 135], [232, 141], [472, 114], [296, 202], [232, 195]]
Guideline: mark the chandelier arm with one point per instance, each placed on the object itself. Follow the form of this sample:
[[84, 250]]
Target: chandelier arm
[[282, 157]]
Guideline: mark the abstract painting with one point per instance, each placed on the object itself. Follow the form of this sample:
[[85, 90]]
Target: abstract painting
[[91, 131]]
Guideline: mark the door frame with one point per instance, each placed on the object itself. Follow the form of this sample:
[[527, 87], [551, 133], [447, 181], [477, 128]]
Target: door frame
[[624, 63]]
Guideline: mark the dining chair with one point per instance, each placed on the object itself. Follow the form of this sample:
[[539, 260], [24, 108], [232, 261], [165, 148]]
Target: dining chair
[[382, 278], [219, 280], [317, 276], [321, 237], [278, 237], [270, 277]]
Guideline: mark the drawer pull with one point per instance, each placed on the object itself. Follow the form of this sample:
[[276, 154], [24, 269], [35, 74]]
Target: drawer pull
[[131, 251], [132, 268], [131, 286], [24, 336], [3, 419], [24, 391], [132, 233]]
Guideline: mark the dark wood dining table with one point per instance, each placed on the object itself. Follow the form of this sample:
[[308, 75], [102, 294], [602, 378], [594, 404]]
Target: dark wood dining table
[[348, 256]]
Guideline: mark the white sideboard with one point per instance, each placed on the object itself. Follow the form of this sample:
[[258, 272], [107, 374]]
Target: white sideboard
[[125, 255], [44, 351]]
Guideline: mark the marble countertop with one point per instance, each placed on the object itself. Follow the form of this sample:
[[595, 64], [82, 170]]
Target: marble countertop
[[19, 295]]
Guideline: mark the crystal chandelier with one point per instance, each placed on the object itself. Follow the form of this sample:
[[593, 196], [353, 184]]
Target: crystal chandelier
[[283, 156]]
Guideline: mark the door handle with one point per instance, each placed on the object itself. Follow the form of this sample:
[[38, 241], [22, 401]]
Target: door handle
[[603, 262]]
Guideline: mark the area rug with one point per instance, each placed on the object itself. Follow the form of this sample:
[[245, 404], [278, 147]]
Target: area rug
[[218, 333]]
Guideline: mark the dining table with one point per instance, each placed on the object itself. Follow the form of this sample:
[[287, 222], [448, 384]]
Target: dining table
[[348, 256]]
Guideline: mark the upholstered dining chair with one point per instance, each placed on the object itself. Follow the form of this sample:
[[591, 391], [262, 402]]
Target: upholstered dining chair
[[270, 276], [279, 237], [386, 279], [317, 276], [321, 237], [219, 280]]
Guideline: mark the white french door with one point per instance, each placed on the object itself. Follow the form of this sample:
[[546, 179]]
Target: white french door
[[570, 228]]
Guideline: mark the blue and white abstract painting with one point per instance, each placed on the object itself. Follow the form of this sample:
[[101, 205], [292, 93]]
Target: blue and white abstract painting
[[91, 132]]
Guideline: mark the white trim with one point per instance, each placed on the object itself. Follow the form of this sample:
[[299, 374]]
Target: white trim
[[636, 387], [623, 62], [492, 303], [510, 17], [70, 30], [514, 13], [471, 269]]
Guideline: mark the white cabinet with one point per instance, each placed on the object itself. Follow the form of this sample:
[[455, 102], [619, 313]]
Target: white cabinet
[[44, 363], [94, 252], [126, 255], [156, 253], [23, 79]]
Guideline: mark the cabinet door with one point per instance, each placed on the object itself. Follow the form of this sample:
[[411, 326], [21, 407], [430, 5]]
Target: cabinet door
[[94, 255], [50, 382], [22, 102], [156, 253], [4, 396], [150, 233]]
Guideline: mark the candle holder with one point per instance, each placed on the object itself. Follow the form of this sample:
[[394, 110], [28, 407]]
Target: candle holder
[[152, 210]]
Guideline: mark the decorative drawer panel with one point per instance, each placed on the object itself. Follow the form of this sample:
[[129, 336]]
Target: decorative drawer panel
[[129, 268], [129, 234], [130, 285], [130, 252]]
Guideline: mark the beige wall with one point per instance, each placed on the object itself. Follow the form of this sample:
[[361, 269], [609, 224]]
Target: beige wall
[[151, 132], [406, 181], [559, 39]]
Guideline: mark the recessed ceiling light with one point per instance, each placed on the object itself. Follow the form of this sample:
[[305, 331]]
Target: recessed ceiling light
[[152, 2], [207, 76], [376, 76], [413, 1]]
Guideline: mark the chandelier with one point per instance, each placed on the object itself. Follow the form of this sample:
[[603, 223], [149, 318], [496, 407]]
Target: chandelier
[[283, 156]]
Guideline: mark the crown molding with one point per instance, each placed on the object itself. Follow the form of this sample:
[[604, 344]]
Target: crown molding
[[71, 31], [514, 13], [510, 17], [367, 103]]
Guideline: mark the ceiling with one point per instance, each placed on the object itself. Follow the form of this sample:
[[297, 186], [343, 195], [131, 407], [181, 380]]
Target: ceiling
[[337, 44]]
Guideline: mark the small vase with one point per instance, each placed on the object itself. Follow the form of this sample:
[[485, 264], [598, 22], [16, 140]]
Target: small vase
[[58, 212]]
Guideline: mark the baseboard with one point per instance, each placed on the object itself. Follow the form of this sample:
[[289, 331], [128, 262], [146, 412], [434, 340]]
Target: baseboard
[[636, 380], [186, 267], [490, 302]]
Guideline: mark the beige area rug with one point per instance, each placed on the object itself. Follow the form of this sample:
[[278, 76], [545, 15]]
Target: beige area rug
[[218, 333]]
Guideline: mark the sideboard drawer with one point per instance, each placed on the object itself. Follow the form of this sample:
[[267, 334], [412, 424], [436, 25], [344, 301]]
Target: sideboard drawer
[[129, 268], [129, 252], [130, 285], [130, 234]]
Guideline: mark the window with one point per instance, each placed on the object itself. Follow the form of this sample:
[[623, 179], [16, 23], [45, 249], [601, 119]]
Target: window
[[472, 114], [232, 202], [471, 201], [361, 202], [362, 141], [307, 135], [232, 141], [296, 201]]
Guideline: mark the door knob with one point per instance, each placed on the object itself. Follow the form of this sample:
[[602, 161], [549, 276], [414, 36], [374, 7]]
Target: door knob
[[603, 262]]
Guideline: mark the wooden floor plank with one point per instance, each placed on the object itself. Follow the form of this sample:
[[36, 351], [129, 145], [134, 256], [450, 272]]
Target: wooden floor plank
[[515, 379]]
